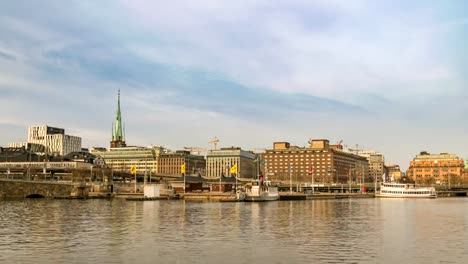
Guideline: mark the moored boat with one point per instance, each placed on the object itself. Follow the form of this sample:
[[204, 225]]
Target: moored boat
[[405, 190], [261, 191]]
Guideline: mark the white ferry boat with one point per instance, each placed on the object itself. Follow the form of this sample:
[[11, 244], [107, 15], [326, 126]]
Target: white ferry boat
[[261, 191], [405, 190]]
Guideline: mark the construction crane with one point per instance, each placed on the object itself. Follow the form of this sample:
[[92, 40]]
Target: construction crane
[[357, 149], [214, 142], [196, 150]]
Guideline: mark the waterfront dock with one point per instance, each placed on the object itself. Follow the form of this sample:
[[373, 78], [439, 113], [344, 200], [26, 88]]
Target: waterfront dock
[[217, 197]]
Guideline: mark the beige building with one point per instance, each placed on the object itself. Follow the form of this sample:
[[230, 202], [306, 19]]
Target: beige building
[[219, 162], [169, 164], [328, 163], [376, 164], [122, 159], [444, 168], [394, 171]]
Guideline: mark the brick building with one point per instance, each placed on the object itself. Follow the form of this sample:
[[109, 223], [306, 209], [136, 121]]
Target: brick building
[[330, 164]]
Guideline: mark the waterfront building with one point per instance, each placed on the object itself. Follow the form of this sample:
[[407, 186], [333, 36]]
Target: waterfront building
[[169, 164], [145, 159], [328, 163], [49, 140], [118, 132], [376, 164], [394, 171], [220, 161], [441, 168]]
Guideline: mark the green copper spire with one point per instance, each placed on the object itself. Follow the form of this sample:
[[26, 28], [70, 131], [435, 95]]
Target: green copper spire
[[117, 133]]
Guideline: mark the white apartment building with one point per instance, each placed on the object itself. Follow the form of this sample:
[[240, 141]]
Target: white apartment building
[[219, 162], [55, 141]]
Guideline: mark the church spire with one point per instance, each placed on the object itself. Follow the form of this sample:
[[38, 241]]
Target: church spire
[[118, 139]]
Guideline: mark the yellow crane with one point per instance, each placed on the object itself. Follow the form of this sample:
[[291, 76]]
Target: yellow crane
[[214, 142]]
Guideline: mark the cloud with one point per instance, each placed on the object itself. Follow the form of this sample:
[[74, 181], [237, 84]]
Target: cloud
[[268, 45]]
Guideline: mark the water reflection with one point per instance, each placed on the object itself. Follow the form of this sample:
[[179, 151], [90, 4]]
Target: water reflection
[[345, 231]]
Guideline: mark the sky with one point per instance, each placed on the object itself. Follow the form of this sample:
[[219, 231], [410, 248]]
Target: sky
[[390, 76]]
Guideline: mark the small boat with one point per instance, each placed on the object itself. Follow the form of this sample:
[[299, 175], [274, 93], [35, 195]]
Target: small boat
[[405, 190], [261, 191]]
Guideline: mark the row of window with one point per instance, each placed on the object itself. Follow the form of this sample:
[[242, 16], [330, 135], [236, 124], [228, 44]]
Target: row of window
[[408, 192]]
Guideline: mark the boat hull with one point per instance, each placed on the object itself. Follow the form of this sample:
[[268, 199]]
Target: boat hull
[[402, 190], [260, 198], [404, 196]]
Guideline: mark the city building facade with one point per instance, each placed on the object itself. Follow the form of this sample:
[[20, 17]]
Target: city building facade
[[326, 163], [394, 171], [443, 168], [36, 148], [145, 159], [169, 164], [220, 161], [376, 160], [53, 140]]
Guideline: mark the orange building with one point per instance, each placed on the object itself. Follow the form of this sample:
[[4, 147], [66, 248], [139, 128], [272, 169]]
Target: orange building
[[444, 168]]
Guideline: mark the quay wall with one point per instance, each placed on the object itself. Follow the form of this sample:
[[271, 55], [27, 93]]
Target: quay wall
[[23, 189]]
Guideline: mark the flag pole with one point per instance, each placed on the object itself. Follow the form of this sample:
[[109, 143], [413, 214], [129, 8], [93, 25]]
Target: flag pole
[[237, 173], [290, 179], [182, 169]]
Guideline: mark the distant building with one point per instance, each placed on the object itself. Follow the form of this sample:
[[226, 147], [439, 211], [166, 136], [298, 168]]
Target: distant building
[[49, 140], [441, 168], [219, 162], [18, 154], [84, 156], [36, 148], [169, 164], [394, 172], [122, 159], [118, 133], [376, 164], [328, 163]]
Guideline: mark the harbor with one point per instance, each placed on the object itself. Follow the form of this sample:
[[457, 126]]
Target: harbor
[[173, 231]]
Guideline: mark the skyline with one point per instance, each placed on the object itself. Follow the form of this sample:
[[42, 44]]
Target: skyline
[[388, 76]]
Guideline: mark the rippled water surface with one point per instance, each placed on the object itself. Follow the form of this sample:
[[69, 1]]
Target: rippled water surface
[[328, 231]]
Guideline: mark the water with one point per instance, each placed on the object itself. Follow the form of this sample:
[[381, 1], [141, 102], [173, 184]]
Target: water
[[328, 231]]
